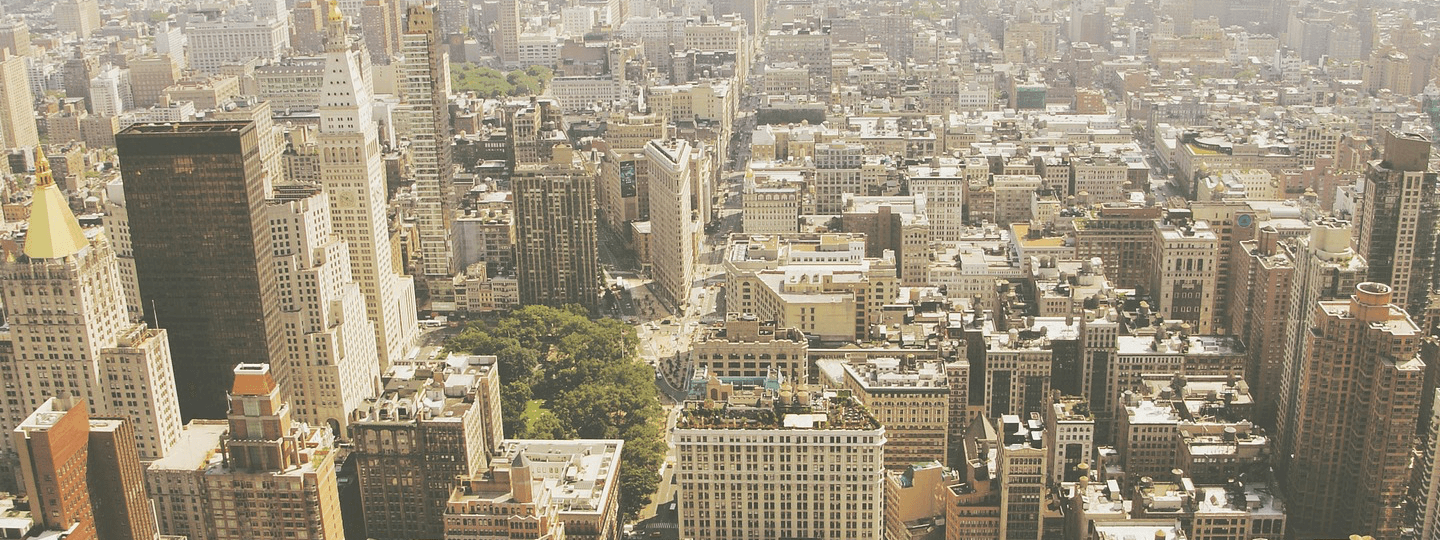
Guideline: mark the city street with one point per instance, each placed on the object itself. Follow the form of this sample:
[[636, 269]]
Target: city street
[[666, 334]]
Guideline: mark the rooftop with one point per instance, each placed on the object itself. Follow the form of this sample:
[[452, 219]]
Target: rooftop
[[895, 375], [443, 391], [186, 127], [586, 472], [1189, 345], [198, 446], [791, 407]]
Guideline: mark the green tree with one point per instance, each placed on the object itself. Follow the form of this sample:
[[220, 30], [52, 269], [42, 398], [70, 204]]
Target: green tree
[[585, 371], [547, 426], [514, 395]]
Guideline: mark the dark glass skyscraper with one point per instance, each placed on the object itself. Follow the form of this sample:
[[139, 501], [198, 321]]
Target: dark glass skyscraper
[[195, 193]]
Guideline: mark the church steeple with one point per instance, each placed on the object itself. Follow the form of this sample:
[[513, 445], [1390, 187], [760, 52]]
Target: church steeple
[[54, 232]]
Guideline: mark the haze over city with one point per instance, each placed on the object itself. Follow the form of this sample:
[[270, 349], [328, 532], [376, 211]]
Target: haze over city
[[720, 270]]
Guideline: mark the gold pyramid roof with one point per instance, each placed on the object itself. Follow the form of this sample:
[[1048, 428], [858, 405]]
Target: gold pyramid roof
[[54, 232]]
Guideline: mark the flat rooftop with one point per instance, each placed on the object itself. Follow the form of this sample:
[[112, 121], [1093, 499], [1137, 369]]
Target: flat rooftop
[[199, 444], [586, 471], [186, 127]]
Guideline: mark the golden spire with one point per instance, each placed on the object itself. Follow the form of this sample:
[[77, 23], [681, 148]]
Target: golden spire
[[54, 232], [43, 176], [335, 14]]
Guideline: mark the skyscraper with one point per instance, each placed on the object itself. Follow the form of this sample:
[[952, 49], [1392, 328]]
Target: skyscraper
[[1325, 269], [507, 33], [82, 474], [308, 26], [1260, 305], [195, 195], [17, 116], [331, 364], [177, 483], [1398, 220], [425, 90], [672, 225], [555, 236], [79, 17], [121, 369], [454, 16], [117, 482], [1427, 511], [796, 448], [52, 443], [15, 37], [278, 474], [432, 424], [377, 23], [1346, 459], [353, 176]]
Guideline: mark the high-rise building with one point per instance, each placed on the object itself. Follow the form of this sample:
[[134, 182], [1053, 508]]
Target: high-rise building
[[217, 44], [52, 443], [195, 194], [354, 178], [170, 42], [105, 92], [430, 425], [276, 478], [121, 369], [1427, 488], [176, 483], [744, 346], [1345, 460], [271, 9], [556, 234], [377, 25], [507, 33], [117, 482], [911, 398], [117, 227], [1183, 277], [1069, 437], [308, 18], [1326, 268], [454, 16], [270, 136], [1259, 306], [17, 115], [672, 223], [78, 71], [805, 436], [79, 17], [149, 77], [1398, 220], [82, 474], [1021, 461], [425, 89], [483, 506], [1124, 238], [331, 361], [535, 129], [913, 501], [15, 37]]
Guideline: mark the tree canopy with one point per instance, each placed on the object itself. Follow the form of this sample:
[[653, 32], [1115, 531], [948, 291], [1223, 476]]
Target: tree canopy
[[491, 83], [590, 382]]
